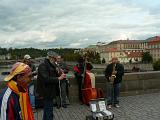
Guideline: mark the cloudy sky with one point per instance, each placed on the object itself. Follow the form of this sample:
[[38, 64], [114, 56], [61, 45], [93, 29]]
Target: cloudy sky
[[75, 23]]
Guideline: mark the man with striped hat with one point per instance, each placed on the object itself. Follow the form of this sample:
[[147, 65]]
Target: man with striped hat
[[14, 100]]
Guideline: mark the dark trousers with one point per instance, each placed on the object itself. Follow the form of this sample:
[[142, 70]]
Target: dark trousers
[[80, 89], [48, 109], [67, 87], [62, 98], [113, 91], [63, 92]]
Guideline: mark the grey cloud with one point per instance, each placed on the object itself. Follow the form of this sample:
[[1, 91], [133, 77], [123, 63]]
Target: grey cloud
[[155, 11], [52, 23]]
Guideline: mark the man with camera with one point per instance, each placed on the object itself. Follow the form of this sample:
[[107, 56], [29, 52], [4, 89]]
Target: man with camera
[[62, 98]]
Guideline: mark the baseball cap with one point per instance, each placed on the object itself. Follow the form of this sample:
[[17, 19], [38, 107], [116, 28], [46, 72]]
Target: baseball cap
[[27, 57], [18, 68]]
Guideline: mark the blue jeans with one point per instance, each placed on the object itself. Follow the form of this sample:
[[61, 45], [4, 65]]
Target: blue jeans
[[113, 93], [31, 94], [48, 110]]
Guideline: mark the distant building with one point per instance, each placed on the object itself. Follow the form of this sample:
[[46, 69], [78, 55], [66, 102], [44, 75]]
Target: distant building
[[154, 47], [5, 57], [125, 50], [128, 50]]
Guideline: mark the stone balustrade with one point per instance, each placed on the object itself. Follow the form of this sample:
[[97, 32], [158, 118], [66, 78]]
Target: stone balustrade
[[132, 84]]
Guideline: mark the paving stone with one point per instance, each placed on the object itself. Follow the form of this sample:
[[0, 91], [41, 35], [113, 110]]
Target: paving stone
[[140, 107]]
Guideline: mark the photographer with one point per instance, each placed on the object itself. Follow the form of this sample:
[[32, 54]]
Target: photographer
[[62, 101]]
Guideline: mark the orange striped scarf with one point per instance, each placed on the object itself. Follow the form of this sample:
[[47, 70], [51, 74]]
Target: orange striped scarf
[[27, 113]]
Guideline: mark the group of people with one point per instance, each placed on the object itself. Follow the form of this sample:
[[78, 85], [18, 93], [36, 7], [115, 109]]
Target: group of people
[[86, 82], [51, 81]]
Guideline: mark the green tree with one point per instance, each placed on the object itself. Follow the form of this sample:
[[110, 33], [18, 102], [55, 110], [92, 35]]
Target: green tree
[[103, 60], [93, 57], [3, 51], [156, 65], [146, 57], [18, 53]]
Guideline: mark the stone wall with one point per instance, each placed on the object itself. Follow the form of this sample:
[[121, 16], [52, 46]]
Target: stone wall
[[132, 84], [145, 67]]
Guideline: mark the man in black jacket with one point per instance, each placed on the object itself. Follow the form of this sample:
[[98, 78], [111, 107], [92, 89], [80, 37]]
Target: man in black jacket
[[114, 73], [49, 75]]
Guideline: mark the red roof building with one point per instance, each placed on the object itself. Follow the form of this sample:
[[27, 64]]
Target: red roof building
[[154, 47]]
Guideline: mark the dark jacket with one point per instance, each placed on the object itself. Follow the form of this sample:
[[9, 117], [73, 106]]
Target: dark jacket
[[13, 109], [64, 67], [47, 80], [33, 67], [120, 72]]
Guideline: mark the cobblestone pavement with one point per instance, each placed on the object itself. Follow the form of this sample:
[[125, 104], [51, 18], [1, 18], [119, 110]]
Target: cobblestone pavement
[[140, 107]]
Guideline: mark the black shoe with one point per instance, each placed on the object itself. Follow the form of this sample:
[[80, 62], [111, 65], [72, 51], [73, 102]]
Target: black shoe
[[81, 103], [58, 107], [117, 105], [64, 106]]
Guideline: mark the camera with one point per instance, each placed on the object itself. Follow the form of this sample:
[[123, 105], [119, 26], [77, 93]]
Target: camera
[[68, 75]]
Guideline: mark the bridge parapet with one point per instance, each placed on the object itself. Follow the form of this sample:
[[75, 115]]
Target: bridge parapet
[[132, 84]]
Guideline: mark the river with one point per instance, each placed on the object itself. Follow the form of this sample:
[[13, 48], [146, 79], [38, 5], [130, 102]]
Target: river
[[4, 68]]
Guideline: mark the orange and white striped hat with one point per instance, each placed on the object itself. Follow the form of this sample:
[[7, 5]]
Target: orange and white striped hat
[[18, 68]]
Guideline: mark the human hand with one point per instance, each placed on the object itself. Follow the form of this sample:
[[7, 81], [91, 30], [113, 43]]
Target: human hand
[[63, 76]]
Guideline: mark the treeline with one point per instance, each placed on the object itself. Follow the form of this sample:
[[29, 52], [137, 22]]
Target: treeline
[[68, 54]]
